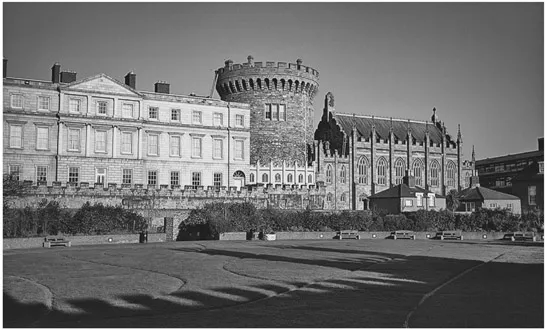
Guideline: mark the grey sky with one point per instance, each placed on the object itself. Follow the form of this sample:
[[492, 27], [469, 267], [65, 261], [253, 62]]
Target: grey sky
[[479, 64]]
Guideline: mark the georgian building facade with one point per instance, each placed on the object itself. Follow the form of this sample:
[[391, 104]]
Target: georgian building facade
[[100, 131]]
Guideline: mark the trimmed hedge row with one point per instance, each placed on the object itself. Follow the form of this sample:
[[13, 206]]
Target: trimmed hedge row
[[213, 219], [50, 219]]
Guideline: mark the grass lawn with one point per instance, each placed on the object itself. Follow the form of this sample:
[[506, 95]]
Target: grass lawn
[[349, 283]]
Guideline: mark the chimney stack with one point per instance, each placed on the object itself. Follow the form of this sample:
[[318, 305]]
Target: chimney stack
[[474, 181], [131, 80], [5, 68], [161, 87], [410, 181], [68, 76], [540, 140], [55, 72]]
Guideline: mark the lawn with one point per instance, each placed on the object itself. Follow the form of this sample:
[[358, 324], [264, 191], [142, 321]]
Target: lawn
[[349, 283]]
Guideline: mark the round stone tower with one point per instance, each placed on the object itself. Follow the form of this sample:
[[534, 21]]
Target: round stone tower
[[281, 98]]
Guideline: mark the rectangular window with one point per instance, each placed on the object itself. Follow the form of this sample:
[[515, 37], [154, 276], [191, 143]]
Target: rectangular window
[[152, 177], [15, 172], [74, 139], [217, 119], [127, 176], [196, 179], [282, 112], [127, 109], [43, 103], [196, 147], [268, 111], [239, 149], [100, 141], [17, 101], [175, 145], [175, 114], [101, 107], [175, 181], [153, 144], [540, 167], [73, 174], [408, 202], [153, 113], [431, 200], [217, 148], [75, 105], [275, 111], [16, 136], [127, 143], [240, 120], [42, 138], [531, 195], [217, 180], [100, 175], [196, 117], [510, 207], [41, 173], [419, 200]]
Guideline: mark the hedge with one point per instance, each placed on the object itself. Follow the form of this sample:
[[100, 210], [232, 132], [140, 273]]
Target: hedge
[[216, 218]]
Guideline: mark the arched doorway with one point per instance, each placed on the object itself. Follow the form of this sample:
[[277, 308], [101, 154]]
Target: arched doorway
[[364, 199], [239, 179]]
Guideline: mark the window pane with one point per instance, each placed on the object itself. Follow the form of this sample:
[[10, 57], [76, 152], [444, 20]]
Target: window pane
[[73, 173], [74, 139], [217, 180], [41, 173], [128, 110], [127, 142], [282, 112], [152, 144], [196, 147], [100, 141], [152, 177], [43, 103], [217, 151], [175, 145], [175, 179], [15, 140], [127, 176]]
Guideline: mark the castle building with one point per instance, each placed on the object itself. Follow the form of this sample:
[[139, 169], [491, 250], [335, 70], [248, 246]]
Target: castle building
[[100, 131], [261, 132]]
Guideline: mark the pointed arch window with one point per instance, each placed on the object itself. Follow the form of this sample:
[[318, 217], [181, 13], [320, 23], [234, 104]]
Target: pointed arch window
[[343, 174], [418, 171], [451, 174], [310, 178], [265, 178], [381, 169], [329, 174], [399, 170], [278, 177], [435, 173], [362, 170], [301, 178], [252, 177], [289, 178]]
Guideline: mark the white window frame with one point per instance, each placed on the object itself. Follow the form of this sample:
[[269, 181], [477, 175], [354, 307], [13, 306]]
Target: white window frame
[[98, 107], [39, 141], [171, 139], [128, 107], [149, 178], [408, 202], [239, 154], [217, 183], [431, 200], [101, 175], [218, 119], [152, 146], [127, 173], [78, 141], [174, 178], [197, 147], [13, 138], [240, 120], [73, 102], [196, 178], [18, 97], [42, 98], [38, 168], [15, 169], [220, 153], [77, 174], [155, 111], [123, 144], [97, 132], [177, 113], [197, 117], [419, 201]]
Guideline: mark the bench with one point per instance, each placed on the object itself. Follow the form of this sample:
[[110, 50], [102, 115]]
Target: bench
[[521, 236], [402, 234], [345, 234], [51, 241], [442, 235]]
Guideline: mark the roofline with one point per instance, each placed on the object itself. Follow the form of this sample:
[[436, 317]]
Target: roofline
[[385, 118], [521, 154]]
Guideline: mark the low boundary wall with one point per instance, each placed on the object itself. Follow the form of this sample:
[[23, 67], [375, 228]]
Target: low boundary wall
[[36, 242]]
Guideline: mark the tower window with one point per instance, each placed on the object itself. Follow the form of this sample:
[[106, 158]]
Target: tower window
[[274, 111]]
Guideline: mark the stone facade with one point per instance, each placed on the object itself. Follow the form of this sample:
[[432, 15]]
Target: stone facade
[[281, 133]]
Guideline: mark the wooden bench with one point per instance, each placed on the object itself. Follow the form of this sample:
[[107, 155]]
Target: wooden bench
[[51, 241], [521, 236], [442, 235], [402, 234], [348, 234]]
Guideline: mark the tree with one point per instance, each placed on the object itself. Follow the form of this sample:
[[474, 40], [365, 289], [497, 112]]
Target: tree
[[452, 200]]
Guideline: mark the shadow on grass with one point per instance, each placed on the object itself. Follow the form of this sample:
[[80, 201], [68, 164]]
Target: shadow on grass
[[369, 298]]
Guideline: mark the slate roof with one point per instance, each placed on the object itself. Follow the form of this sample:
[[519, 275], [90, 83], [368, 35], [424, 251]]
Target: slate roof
[[522, 155], [363, 124], [402, 190], [481, 193]]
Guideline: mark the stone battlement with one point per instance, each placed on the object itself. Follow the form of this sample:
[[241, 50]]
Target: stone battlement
[[282, 68]]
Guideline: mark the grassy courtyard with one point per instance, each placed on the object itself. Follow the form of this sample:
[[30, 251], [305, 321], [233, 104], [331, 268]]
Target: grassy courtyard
[[365, 283]]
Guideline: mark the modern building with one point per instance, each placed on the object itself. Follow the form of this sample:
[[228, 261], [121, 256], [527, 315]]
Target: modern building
[[101, 131], [528, 185], [407, 197]]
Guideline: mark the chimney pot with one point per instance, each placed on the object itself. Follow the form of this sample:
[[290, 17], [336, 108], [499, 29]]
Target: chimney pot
[[68, 76], [161, 87], [55, 72]]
